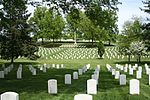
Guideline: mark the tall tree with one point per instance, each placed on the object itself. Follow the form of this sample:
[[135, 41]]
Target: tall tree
[[146, 26], [73, 19], [103, 18], [49, 23], [15, 30], [39, 22], [131, 32]]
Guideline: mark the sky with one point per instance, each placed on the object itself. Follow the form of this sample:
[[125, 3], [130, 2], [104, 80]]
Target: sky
[[127, 10]]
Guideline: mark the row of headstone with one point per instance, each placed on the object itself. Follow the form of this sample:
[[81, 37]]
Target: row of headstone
[[76, 74], [47, 66], [93, 82], [95, 75], [52, 83], [19, 72], [9, 96], [32, 69], [125, 68], [134, 84], [79, 53], [91, 86], [147, 72], [6, 70]]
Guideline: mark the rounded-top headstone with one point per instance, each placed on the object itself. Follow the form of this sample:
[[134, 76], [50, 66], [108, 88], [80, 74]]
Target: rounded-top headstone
[[134, 86], [91, 86], [75, 75], [10, 96], [83, 97], [52, 86], [67, 78]]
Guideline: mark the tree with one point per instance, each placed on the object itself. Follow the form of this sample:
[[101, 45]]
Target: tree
[[103, 18], [38, 22], [48, 22], [86, 26], [73, 19], [131, 32], [146, 26], [101, 49], [57, 26], [66, 5], [15, 30], [138, 48], [71, 8]]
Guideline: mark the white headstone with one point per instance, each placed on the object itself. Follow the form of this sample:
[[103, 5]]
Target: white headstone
[[2, 75], [140, 68], [126, 69], [83, 97], [88, 66], [92, 86], [80, 71], [34, 72], [117, 75], [44, 69], [149, 79], [40, 67], [57, 66], [75, 75], [52, 86], [53, 65], [138, 74], [121, 68], [9, 96], [95, 76], [113, 71], [62, 65], [130, 71], [122, 79], [19, 74], [148, 71], [6, 71], [134, 86], [68, 79]]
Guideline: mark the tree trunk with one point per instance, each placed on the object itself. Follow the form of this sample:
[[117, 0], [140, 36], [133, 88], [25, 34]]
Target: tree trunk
[[129, 58], [109, 42], [139, 58], [92, 40], [12, 59]]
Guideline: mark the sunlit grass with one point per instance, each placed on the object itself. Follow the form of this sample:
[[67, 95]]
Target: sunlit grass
[[35, 87]]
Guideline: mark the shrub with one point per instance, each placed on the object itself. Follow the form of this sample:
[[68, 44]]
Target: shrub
[[101, 49]]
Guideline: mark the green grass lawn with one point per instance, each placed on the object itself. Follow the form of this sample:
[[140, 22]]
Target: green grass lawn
[[35, 87]]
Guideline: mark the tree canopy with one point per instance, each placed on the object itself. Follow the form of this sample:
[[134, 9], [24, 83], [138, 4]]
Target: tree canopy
[[15, 31]]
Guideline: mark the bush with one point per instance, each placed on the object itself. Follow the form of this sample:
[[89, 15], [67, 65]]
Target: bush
[[101, 49]]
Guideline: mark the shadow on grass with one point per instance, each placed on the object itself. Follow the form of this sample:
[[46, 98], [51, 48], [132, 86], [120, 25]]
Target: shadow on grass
[[38, 83], [107, 81]]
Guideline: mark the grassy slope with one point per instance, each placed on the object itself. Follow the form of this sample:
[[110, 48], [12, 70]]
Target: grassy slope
[[35, 87]]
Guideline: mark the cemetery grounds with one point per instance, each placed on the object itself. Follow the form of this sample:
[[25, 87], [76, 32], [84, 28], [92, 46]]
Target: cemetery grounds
[[35, 87]]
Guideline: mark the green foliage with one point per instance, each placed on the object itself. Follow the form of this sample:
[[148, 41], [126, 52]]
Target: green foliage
[[48, 22], [101, 49], [131, 32], [66, 5], [15, 31], [146, 26]]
